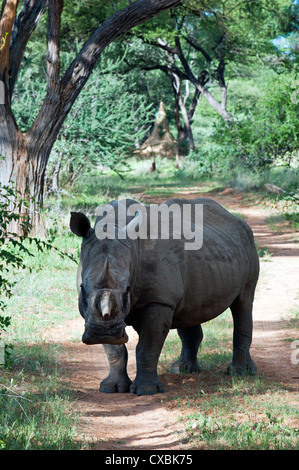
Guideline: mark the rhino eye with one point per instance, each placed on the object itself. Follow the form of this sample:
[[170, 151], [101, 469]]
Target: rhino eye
[[125, 300], [83, 293]]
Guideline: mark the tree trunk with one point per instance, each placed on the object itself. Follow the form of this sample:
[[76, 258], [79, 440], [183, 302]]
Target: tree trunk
[[187, 126], [24, 158], [184, 133], [55, 177], [24, 165], [213, 102]]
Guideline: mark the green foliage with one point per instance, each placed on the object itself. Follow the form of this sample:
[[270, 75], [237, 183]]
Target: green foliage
[[268, 132], [268, 432], [12, 248], [3, 39], [15, 248], [287, 205], [218, 40], [103, 125], [241, 32], [221, 412], [81, 18], [29, 93]]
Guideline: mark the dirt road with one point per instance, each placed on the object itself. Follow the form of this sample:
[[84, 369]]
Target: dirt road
[[124, 421]]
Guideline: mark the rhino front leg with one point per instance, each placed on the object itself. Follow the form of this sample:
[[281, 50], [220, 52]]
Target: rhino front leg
[[153, 325], [118, 379]]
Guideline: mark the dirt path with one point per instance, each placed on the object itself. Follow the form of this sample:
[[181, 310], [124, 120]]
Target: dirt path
[[124, 421]]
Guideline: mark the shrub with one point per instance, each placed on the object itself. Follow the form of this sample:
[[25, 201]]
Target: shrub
[[14, 249], [268, 132]]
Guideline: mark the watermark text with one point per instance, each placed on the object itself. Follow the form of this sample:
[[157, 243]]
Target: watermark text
[[295, 353], [295, 94], [2, 354], [2, 93], [157, 221]]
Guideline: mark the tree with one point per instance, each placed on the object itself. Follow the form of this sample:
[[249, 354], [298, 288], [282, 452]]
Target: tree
[[161, 56], [26, 154], [202, 43]]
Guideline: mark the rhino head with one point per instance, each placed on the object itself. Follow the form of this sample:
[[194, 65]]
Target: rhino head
[[103, 284]]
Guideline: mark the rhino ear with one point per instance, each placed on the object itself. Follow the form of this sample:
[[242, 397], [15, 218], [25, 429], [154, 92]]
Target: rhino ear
[[79, 224]]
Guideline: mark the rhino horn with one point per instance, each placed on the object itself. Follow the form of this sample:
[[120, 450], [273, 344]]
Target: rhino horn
[[106, 305], [106, 280]]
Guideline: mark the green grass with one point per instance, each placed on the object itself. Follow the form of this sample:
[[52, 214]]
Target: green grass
[[279, 221], [214, 351], [275, 221], [263, 252], [243, 420], [293, 317], [38, 302], [94, 189], [36, 407]]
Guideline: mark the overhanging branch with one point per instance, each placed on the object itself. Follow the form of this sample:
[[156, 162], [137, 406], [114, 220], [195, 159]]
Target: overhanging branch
[[52, 114], [78, 72]]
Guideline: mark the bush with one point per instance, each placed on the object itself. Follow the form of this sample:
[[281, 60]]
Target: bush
[[14, 248], [269, 131], [11, 250]]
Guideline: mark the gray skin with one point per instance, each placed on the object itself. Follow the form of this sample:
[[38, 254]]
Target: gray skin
[[157, 285]]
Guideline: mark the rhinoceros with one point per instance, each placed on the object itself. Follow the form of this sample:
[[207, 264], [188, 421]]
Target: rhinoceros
[[156, 285]]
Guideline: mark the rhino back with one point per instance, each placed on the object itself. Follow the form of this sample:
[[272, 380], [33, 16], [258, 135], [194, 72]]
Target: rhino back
[[199, 284]]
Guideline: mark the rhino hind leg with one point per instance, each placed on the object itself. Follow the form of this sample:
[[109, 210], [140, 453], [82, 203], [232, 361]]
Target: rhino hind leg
[[242, 315], [187, 362], [117, 380]]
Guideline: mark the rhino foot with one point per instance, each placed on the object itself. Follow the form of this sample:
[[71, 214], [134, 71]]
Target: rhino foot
[[147, 388], [114, 385], [250, 368], [180, 366]]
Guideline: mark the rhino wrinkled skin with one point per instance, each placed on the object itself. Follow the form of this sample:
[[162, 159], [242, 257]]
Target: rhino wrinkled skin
[[157, 285]]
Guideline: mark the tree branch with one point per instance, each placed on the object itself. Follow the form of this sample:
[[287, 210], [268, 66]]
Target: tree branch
[[122, 21], [25, 24], [160, 44], [53, 48], [193, 105], [220, 72], [6, 25], [201, 86], [164, 68], [199, 49]]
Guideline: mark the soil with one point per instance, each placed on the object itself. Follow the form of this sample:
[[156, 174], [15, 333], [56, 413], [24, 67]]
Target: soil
[[126, 421]]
